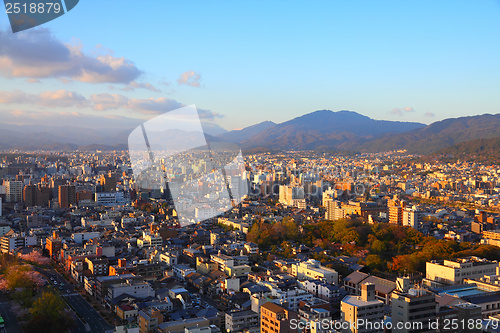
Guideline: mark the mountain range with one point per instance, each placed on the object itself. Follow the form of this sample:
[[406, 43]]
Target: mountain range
[[325, 129], [351, 131], [318, 130]]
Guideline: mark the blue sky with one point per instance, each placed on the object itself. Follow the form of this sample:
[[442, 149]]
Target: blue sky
[[246, 62]]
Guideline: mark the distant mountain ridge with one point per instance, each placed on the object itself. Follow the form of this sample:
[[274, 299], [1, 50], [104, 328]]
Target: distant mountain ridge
[[479, 150], [246, 133], [325, 129], [438, 135], [319, 130]]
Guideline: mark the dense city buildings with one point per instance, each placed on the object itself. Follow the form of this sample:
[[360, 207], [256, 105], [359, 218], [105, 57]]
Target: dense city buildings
[[319, 244]]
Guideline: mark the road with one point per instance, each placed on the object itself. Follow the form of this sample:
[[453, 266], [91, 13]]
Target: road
[[92, 320], [11, 323], [95, 322]]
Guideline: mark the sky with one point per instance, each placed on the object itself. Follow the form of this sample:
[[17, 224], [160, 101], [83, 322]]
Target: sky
[[243, 62]]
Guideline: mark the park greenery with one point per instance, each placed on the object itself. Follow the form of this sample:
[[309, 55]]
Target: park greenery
[[28, 288], [381, 247], [48, 314]]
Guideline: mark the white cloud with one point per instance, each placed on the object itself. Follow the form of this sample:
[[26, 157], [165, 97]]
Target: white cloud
[[50, 118], [190, 78], [59, 98], [396, 111], [99, 102], [105, 101], [401, 111], [153, 105], [135, 85], [429, 115], [36, 54], [209, 115], [160, 105]]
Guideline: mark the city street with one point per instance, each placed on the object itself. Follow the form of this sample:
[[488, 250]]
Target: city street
[[11, 323], [93, 319], [90, 320]]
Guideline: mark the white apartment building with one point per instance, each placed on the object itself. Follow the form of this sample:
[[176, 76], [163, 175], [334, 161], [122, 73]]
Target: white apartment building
[[180, 271], [109, 198], [290, 193], [223, 261], [321, 289], [413, 308], [14, 190], [80, 237], [251, 248], [411, 218], [15, 241], [4, 228], [334, 210], [134, 288], [361, 311], [449, 272], [312, 270], [168, 258], [289, 294], [148, 240]]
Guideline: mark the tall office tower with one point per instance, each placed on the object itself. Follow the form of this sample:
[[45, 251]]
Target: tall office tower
[[412, 309], [67, 196], [363, 313], [0, 207], [108, 183], [14, 190], [30, 195]]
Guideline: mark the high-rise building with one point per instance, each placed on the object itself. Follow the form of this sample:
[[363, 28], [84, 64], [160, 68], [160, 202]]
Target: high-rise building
[[276, 319], [67, 196], [334, 210], [290, 193], [413, 309], [14, 190], [30, 195], [396, 208], [364, 313], [411, 218], [53, 244], [43, 196], [84, 195], [34, 195], [108, 183]]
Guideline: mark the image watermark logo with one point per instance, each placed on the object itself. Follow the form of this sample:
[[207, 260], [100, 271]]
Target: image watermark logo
[[203, 176], [26, 14]]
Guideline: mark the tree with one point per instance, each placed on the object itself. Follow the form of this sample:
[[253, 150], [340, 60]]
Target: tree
[[378, 246], [374, 262], [48, 314]]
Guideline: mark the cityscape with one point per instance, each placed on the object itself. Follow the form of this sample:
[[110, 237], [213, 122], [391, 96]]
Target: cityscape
[[326, 167]]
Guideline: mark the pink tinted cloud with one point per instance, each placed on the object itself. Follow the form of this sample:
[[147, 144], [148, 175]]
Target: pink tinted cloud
[[58, 98], [37, 54], [189, 78]]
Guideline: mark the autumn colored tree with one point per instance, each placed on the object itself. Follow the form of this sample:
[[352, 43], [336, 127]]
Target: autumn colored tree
[[48, 315]]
